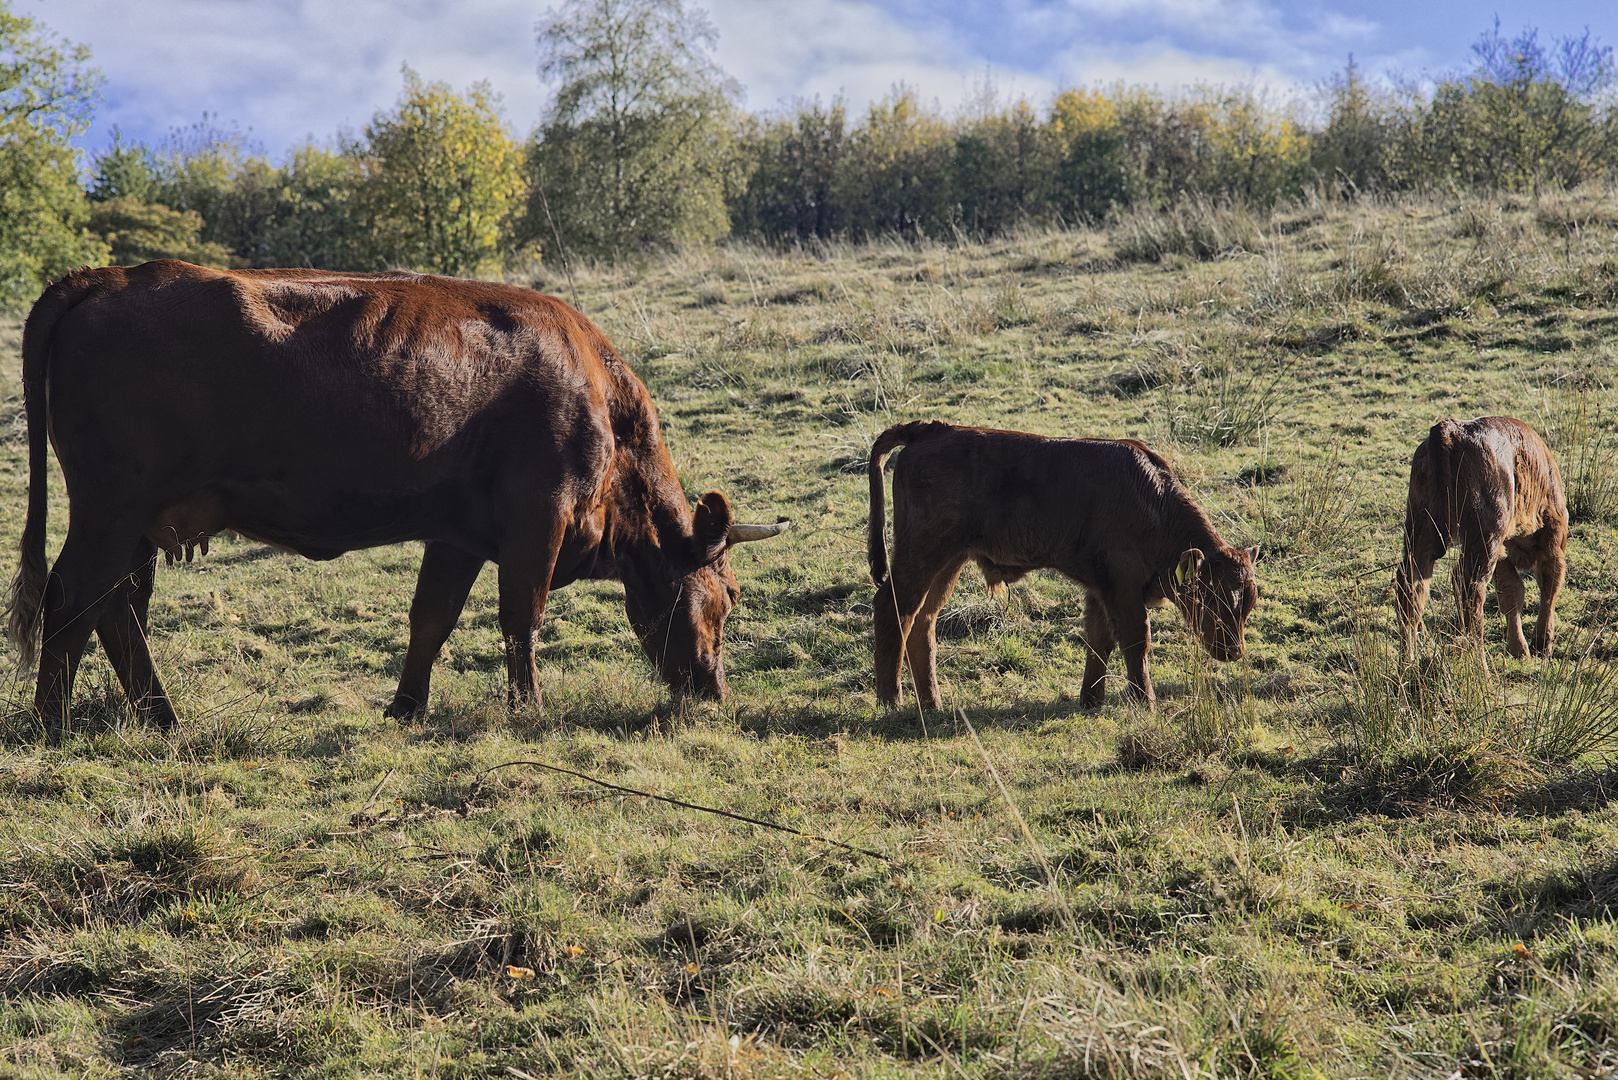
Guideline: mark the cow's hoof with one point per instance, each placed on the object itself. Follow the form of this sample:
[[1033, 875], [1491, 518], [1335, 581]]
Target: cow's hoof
[[403, 708]]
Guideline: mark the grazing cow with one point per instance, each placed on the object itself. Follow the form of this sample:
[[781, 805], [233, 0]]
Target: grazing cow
[[1107, 513], [323, 412], [1492, 484]]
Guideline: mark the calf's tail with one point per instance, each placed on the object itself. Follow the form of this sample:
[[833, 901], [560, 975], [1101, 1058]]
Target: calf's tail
[[28, 587], [876, 551]]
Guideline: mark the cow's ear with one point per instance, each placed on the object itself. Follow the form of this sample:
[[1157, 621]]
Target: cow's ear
[[710, 525], [1190, 563], [1252, 553]]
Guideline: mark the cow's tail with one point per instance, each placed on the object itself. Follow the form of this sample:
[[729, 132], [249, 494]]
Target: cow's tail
[[876, 550], [1442, 478], [28, 588]]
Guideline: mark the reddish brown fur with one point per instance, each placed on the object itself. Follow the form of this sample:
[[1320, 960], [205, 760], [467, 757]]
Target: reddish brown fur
[[1492, 484], [323, 412], [1107, 513]]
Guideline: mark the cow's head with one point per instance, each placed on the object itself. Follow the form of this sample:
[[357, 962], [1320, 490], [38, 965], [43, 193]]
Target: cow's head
[[682, 625], [1216, 592]]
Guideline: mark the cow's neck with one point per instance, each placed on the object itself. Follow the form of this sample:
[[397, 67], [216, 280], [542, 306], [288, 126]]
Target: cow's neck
[[1186, 526]]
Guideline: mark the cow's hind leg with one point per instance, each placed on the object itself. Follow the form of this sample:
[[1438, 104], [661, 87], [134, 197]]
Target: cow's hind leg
[[88, 574], [1099, 643], [122, 630], [1411, 582], [1509, 594], [1549, 572], [893, 614], [446, 578], [1472, 572], [921, 639]]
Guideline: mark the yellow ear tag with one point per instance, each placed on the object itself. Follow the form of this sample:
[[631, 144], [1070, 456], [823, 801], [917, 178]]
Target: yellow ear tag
[[1179, 574]]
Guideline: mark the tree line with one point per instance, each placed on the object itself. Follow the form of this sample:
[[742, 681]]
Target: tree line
[[646, 146]]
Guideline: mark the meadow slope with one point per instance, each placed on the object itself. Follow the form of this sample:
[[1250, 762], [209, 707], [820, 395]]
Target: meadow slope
[[1307, 863]]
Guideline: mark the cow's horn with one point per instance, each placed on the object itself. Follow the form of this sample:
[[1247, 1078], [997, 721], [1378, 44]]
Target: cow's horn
[[742, 534]]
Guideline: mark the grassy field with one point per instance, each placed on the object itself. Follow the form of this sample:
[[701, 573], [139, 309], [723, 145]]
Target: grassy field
[[1309, 863]]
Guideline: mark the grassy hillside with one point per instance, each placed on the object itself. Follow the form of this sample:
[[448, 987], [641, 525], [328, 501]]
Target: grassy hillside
[[1307, 863]]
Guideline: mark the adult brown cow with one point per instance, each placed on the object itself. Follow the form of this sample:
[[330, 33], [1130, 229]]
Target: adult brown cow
[[1107, 513], [1492, 484], [323, 412]]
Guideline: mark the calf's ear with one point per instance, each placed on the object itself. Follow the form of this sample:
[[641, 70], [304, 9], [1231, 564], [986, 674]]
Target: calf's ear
[[710, 525], [1190, 563], [1252, 553]]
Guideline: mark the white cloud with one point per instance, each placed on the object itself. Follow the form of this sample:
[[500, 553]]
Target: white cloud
[[289, 69], [782, 50]]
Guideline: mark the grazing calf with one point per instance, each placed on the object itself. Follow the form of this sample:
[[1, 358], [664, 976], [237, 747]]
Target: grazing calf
[[1107, 513], [1492, 484]]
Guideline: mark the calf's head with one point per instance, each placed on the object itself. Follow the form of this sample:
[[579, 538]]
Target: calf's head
[[1216, 592], [679, 615]]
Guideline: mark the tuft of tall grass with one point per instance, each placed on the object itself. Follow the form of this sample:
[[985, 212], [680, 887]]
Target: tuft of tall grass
[[1199, 227], [1225, 406], [1586, 453], [1573, 710], [1302, 506], [1448, 712]]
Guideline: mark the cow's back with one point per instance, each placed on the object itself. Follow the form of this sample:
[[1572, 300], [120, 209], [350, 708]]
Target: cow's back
[[166, 379], [1026, 499]]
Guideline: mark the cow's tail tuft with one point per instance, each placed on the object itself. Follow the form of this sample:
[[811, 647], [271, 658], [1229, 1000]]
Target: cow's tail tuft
[[28, 588], [876, 550]]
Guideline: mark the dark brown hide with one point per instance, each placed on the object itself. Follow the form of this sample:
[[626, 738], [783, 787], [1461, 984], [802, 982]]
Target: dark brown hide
[[323, 412], [1492, 484], [1107, 513]]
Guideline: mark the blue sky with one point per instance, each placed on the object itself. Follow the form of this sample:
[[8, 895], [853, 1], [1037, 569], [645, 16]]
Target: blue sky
[[289, 70]]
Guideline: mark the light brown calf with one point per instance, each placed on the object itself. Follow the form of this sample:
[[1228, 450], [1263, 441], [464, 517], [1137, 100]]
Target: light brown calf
[[1492, 484]]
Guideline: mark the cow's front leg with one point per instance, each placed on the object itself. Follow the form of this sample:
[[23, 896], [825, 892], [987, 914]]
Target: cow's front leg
[[446, 578], [1098, 645], [1134, 635], [525, 582]]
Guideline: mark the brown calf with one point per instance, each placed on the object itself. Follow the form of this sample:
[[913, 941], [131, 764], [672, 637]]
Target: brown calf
[[1492, 484], [1107, 513]]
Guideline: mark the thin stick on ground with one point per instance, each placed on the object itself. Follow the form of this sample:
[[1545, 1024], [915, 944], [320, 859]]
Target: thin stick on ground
[[760, 822]]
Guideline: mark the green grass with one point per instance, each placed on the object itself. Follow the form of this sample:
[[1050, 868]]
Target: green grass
[[1313, 862]]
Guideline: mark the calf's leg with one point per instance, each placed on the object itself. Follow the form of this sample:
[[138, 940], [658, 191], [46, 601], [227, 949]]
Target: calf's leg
[[1472, 573], [921, 639], [1412, 581], [446, 578], [893, 614], [122, 630], [1098, 645], [1508, 593], [1549, 572], [1134, 636]]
